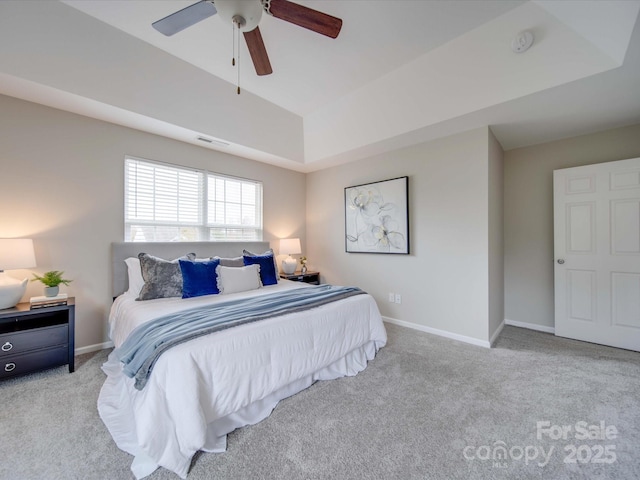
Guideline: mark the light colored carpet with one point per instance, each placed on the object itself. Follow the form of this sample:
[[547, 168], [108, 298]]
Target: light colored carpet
[[412, 414]]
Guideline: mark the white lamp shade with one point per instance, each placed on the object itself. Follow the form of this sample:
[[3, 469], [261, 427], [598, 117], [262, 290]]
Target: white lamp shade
[[290, 246], [16, 253]]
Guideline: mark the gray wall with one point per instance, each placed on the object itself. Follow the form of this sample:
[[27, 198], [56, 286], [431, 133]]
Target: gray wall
[[496, 231], [62, 177], [445, 281], [46, 42], [528, 200], [62, 185]]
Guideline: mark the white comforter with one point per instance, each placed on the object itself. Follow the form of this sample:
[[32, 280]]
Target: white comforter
[[203, 389]]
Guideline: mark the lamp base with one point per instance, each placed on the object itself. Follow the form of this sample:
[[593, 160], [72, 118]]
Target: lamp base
[[289, 265], [11, 290]]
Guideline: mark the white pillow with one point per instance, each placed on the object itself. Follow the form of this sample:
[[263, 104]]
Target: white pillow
[[238, 279], [136, 282]]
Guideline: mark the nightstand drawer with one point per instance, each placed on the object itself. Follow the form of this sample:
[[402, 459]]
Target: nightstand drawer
[[35, 339], [16, 343], [307, 277], [31, 362]]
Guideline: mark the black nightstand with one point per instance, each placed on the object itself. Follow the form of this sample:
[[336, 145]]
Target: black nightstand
[[34, 340], [308, 277]]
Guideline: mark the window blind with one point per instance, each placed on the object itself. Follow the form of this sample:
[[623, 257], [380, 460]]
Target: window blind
[[170, 203]]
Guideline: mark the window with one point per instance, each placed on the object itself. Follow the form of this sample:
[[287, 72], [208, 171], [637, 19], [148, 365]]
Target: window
[[167, 203]]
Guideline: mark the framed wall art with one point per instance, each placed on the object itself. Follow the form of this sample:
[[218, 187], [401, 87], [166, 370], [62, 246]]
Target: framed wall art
[[377, 217]]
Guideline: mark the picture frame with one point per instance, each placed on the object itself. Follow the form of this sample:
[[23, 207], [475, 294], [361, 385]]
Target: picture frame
[[377, 217]]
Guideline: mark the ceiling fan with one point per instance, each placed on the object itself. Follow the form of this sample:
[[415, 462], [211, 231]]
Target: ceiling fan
[[246, 15]]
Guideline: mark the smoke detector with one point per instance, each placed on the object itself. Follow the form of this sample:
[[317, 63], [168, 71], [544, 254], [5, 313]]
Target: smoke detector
[[522, 42]]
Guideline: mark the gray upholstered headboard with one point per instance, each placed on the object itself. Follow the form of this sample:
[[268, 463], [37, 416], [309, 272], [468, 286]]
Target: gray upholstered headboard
[[170, 250]]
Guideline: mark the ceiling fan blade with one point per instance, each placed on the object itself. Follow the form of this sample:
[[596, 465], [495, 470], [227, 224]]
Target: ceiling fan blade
[[306, 17], [258, 52], [184, 18]]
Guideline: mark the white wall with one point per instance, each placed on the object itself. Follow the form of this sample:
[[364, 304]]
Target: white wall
[[62, 179], [62, 184], [496, 232], [53, 44], [528, 200], [445, 281]]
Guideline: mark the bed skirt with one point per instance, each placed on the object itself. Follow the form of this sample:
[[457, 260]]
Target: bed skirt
[[117, 413]]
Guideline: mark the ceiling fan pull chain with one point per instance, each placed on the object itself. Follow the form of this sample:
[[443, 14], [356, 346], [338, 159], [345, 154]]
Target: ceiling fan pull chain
[[233, 42], [238, 41]]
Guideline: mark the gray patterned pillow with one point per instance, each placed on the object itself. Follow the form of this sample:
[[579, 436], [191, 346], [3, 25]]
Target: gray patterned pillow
[[162, 278], [230, 262]]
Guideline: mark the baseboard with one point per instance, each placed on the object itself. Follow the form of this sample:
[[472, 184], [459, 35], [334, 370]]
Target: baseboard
[[402, 323], [440, 333], [494, 337], [93, 348], [530, 326]]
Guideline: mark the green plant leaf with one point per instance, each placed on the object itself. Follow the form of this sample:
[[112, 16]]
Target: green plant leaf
[[51, 279]]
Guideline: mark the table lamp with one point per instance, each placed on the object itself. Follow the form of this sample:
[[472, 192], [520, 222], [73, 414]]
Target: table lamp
[[289, 246], [15, 253]]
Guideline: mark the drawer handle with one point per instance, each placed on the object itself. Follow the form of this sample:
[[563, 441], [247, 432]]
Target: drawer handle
[[9, 367], [6, 347]]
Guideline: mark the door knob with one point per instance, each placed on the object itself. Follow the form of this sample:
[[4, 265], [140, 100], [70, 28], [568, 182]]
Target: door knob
[[560, 261]]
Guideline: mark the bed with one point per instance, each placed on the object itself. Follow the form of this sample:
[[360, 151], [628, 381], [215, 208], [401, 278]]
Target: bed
[[204, 388]]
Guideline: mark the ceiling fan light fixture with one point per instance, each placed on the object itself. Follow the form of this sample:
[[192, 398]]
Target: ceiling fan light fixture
[[249, 11]]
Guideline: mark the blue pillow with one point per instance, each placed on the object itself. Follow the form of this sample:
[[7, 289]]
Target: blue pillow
[[199, 278], [268, 274]]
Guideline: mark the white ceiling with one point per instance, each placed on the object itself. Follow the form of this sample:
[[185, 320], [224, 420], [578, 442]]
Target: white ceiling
[[310, 70], [400, 72]]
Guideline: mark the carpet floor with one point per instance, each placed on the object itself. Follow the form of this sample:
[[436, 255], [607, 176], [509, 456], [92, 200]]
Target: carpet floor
[[534, 407]]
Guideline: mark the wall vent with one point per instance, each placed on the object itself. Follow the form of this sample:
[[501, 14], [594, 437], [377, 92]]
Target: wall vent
[[212, 141]]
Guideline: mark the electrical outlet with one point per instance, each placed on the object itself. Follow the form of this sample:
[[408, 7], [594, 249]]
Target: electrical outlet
[[398, 298], [392, 297]]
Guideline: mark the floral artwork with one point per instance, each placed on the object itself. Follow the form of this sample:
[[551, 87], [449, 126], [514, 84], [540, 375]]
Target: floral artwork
[[377, 217]]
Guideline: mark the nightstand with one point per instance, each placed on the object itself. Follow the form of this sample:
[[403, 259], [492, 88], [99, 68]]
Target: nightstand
[[34, 340], [308, 277]]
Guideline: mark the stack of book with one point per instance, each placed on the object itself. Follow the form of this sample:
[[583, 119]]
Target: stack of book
[[42, 302]]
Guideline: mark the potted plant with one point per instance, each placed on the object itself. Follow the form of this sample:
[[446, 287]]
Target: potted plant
[[51, 281]]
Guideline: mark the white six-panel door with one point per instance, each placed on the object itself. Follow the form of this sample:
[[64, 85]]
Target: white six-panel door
[[597, 253]]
